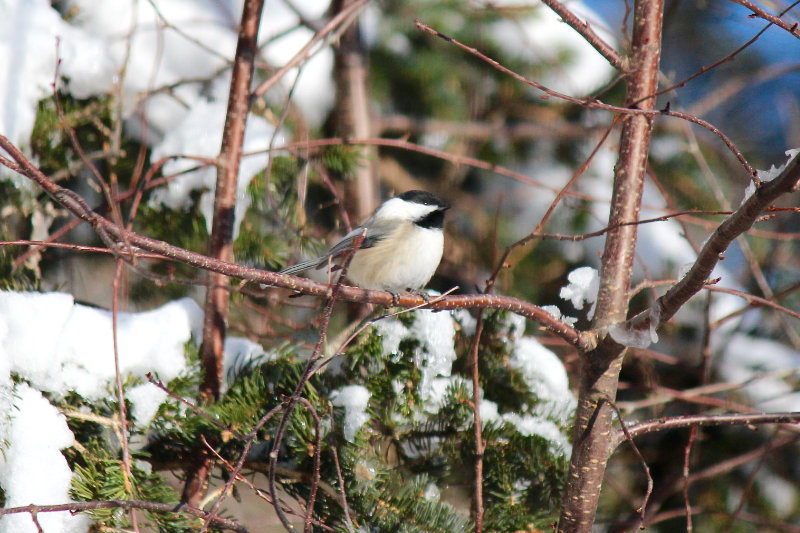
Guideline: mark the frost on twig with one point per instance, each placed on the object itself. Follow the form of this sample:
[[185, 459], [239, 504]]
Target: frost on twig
[[555, 312], [639, 332], [584, 283], [769, 175]]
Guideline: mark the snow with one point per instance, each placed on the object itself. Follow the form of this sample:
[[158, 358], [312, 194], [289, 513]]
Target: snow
[[131, 47], [32, 468], [392, 332], [432, 492], [575, 67], [530, 425], [62, 346], [435, 354], [354, 399], [773, 172], [200, 134], [584, 282], [555, 312], [239, 352], [633, 335], [28, 32], [145, 400], [59, 346], [546, 377]]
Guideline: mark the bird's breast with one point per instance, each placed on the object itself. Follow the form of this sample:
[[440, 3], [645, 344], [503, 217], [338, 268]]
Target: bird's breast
[[405, 259]]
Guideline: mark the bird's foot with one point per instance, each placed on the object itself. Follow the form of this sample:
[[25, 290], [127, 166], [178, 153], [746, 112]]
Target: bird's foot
[[395, 297], [421, 293]]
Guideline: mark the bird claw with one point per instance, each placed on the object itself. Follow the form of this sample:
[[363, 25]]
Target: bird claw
[[421, 293], [395, 297]]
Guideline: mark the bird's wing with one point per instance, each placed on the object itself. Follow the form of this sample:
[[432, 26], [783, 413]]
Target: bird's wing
[[375, 232], [371, 238]]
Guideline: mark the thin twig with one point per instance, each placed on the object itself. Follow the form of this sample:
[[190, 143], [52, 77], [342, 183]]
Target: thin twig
[[687, 454], [195, 409], [341, 18], [156, 507], [480, 446], [347, 520], [77, 205], [593, 103], [736, 419], [642, 510], [292, 400], [127, 475]]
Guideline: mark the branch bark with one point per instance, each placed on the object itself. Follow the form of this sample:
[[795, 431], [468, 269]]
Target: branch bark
[[592, 442], [353, 115], [221, 241]]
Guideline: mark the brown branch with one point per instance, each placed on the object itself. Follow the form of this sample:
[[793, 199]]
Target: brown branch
[[220, 244], [221, 239], [585, 30], [766, 15], [480, 446], [736, 419], [712, 252], [75, 204], [601, 367], [249, 440], [593, 103], [297, 395], [155, 507]]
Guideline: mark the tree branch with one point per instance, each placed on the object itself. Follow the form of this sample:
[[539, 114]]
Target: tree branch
[[601, 367], [155, 507], [737, 419], [75, 204], [585, 30]]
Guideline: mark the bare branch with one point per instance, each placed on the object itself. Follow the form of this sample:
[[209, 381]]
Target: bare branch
[[737, 419], [582, 27], [766, 15], [593, 103], [712, 252], [155, 507], [77, 205]]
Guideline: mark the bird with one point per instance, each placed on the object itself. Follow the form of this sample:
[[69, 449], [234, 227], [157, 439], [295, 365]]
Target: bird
[[402, 246]]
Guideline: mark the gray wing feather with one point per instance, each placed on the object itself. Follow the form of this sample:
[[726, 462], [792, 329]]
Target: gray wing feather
[[375, 232], [305, 265]]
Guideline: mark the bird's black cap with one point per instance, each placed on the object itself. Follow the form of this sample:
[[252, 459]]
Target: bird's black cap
[[424, 198]]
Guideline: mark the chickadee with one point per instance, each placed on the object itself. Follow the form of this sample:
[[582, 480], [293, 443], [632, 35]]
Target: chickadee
[[402, 247]]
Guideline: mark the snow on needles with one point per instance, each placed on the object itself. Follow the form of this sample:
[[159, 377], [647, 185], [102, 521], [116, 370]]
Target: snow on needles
[[436, 353], [541, 369], [32, 468], [200, 134], [584, 282], [58, 346], [354, 399], [547, 378], [28, 33]]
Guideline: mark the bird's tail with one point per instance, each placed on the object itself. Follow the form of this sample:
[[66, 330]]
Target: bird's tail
[[301, 267]]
